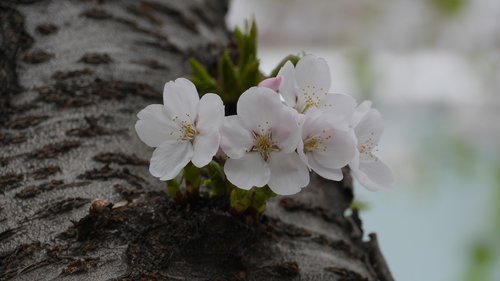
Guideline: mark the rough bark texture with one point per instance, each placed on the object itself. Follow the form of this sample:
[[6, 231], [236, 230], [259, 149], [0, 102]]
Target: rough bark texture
[[73, 76]]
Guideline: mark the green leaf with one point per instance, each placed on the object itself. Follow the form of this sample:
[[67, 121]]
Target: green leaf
[[449, 7], [240, 200], [260, 198], [363, 72], [292, 58], [481, 263], [216, 180], [192, 178], [251, 75], [174, 189], [201, 78], [232, 78], [359, 205], [247, 43], [228, 79], [252, 39], [242, 47]]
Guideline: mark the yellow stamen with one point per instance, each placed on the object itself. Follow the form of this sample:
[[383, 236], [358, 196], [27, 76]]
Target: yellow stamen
[[310, 145], [366, 148], [264, 145], [188, 132]]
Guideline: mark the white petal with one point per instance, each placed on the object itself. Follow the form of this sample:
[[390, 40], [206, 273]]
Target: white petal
[[338, 104], [180, 99], [370, 128], [285, 129], [339, 150], [236, 140], [354, 164], [258, 108], [360, 112], [248, 171], [288, 87], [327, 173], [205, 147], [154, 126], [374, 175], [288, 173], [312, 123], [300, 151], [210, 114], [169, 159], [312, 75]]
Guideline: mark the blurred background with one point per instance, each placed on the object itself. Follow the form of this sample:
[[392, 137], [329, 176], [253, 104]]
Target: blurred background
[[432, 67]]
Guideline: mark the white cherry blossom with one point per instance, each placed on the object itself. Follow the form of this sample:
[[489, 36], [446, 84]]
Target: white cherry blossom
[[307, 86], [327, 145], [260, 142], [185, 128], [366, 167]]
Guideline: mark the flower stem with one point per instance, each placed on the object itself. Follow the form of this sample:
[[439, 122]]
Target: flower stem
[[192, 178]]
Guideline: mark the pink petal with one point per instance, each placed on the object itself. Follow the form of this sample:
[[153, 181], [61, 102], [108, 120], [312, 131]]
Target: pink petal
[[272, 83]]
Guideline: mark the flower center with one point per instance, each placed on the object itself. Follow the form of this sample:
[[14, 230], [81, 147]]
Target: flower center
[[365, 148], [311, 101], [264, 145], [188, 131], [310, 145], [312, 97], [317, 142]]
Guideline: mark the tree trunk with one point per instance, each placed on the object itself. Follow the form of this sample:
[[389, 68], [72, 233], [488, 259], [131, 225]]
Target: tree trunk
[[73, 75]]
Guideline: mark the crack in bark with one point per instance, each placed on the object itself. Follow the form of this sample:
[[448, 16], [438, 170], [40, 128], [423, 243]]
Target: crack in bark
[[23, 122], [45, 172], [61, 206], [66, 93], [34, 190], [96, 58], [8, 138], [37, 56], [106, 173], [93, 129], [120, 158], [47, 28], [54, 149], [10, 181], [14, 39]]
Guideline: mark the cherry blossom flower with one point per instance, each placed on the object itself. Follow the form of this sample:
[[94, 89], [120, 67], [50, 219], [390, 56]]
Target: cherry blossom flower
[[326, 145], [367, 168], [260, 142], [306, 86], [185, 128]]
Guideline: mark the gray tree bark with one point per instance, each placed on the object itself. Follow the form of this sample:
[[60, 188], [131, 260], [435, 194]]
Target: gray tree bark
[[73, 75]]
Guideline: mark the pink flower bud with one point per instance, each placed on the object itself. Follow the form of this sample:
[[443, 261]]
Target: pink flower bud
[[272, 83]]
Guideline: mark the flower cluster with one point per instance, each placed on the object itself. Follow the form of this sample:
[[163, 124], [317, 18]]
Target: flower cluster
[[285, 127]]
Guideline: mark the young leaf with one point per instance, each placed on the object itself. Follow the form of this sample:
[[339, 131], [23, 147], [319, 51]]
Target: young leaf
[[228, 79], [216, 180], [251, 75], [201, 78], [174, 190], [292, 58], [260, 198], [240, 200], [192, 178]]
